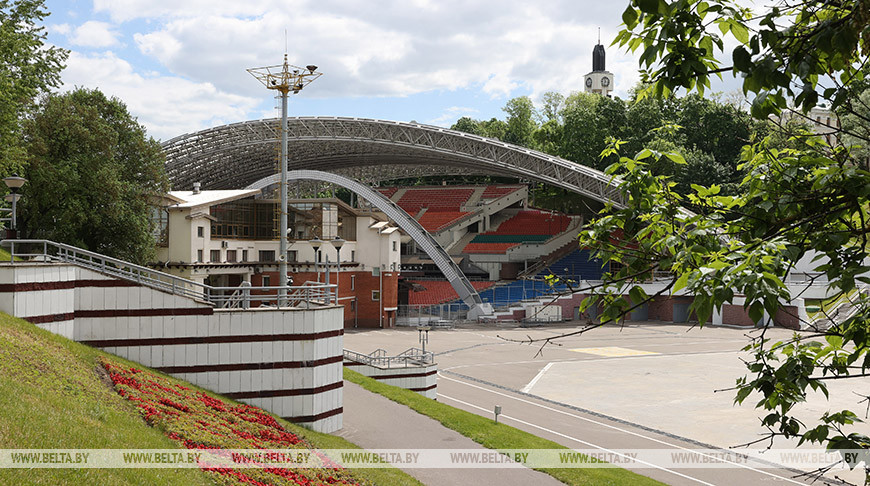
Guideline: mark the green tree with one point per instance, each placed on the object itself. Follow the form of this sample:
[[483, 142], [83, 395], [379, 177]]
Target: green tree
[[589, 120], [92, 173], [28, 67], [521, 123], [802, 199], [468, 125], [552, 105], [856, 126], [714, 128]]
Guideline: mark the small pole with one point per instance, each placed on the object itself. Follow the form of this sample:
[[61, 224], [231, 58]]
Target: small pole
[[423, 335], [497, 412]]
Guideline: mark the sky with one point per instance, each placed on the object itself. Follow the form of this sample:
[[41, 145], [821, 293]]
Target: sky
[[180, 65]]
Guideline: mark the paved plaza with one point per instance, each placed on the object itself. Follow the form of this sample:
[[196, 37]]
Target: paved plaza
[[642, 385]]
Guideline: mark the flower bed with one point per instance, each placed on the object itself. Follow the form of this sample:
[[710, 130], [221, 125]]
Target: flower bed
[[199, 421]]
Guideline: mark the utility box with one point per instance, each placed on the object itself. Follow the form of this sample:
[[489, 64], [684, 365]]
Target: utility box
[[641, 313], [544, 313], [681, 312]]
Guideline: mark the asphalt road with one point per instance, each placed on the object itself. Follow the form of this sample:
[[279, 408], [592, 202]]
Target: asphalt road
[[648, 386]]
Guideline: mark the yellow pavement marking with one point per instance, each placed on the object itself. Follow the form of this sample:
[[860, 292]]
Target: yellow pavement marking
[[613, 352]]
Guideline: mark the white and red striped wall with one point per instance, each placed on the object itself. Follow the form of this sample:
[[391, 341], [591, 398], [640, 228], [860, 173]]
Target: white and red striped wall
[[287, 361]]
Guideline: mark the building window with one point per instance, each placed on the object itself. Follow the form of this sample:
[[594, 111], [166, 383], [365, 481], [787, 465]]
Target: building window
[[160, 229], [200, 231], [291, 255], [266, 281], [267, 255], [394, 245], [353, 282], [376, 295], [353, 255], [231, 256], [376, 271], [198, 256], [215, 256], [244, 255]]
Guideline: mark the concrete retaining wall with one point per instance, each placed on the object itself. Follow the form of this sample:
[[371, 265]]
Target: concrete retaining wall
[[421, 379], [285, 361]]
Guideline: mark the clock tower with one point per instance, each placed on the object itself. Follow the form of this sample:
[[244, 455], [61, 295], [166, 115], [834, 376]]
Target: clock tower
[[599, 81]]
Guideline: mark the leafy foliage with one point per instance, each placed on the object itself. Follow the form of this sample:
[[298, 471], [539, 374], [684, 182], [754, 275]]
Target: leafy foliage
[[799, 197], [27, 68], [91, 173], [707, 133], [783, 53]]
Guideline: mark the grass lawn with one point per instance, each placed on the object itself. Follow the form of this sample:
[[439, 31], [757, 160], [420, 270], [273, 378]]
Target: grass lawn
[[496, 436], [815, 307], [51, 396], [5, 256]]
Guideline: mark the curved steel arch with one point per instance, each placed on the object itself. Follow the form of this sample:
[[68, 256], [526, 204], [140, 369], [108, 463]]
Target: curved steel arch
[[239, 154], [408, 224]]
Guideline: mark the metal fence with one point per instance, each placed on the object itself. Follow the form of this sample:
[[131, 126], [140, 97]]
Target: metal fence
[[244, 296], [424, 315]]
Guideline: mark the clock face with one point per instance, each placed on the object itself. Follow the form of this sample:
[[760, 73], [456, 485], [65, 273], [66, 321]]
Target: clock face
[[605, 81], [588, 82]]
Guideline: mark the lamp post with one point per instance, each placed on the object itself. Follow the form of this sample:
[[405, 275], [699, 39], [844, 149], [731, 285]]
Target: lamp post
[[315, 243], [284, 78], [337, 242], [14, 183]]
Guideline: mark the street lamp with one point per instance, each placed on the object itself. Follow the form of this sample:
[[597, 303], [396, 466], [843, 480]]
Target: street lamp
[[14, 183], [315, 244], [337, 242], [284, 79]]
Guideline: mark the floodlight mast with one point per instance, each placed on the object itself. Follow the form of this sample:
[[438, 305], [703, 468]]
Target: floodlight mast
[[284, 79]]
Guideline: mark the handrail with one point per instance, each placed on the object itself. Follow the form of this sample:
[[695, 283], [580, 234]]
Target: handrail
[[286, 296], [412, 357]]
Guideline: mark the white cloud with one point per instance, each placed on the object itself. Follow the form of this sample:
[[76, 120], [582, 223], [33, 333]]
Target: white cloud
[[62, 29], [94, 34], [168, 106], [126, 10], [380, 48], [451, 114]]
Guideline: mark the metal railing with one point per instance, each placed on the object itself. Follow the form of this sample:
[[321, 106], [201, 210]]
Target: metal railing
[[244, 296], [422, 315], [412, 357]]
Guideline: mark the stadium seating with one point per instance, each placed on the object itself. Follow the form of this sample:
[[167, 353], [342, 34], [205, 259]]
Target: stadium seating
[[533, 222], [436, 199], [439, 291], [494, 192], [527, 226], [388, 191], [433, 221], [488, 248], [576, 265]]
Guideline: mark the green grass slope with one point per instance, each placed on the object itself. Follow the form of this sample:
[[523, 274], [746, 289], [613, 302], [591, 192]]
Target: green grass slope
[[51, 396], [54, 394]]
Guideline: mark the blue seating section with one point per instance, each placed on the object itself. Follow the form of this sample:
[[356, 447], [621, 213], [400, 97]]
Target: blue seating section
[[577, 265], [515, 291], [574, 266]]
